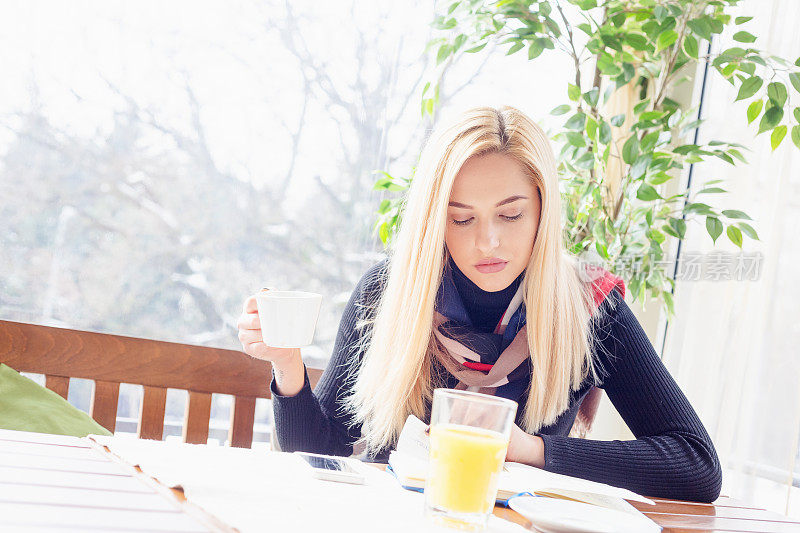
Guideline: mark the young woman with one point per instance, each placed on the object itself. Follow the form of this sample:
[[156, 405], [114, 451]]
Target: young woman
[[479, 292]]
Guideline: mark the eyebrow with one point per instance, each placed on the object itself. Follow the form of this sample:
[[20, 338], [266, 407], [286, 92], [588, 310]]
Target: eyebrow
[[502, 202]]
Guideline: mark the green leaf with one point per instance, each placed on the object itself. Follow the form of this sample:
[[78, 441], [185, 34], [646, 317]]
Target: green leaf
[[690, 46], [560, 110], [711, 190], [574, 92], [776, 91], [384, 207], [630, 150], [660, 178], [715, 24], [519, 45], [742, 20], [647, 193], [735, 213], [744, 37], [777, 136], [679, 225], [640, 166], [700, 27], [586, 161], [535, 50], [749, 87], [637, 41], [770, 119], [618, 120], [685, 149], [576, 121], [476, 49], [383, 232], [576, 139], [794, 77], [670, 303], [748, 229], [601, 249], [713, 227], [652, 115], [669, 231], [649, 142], [443, 53], [591, 96], [605, 133], [641, 106], [796, 114], [796, 136], [699, 208], [459, 42], [666, 39], [591, 127], [753, 110], [735, 235]]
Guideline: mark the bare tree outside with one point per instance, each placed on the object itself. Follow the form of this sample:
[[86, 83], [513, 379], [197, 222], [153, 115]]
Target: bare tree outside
[[150, 198]]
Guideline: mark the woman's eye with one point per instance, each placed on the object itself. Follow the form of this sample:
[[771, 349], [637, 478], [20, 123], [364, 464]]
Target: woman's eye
[[505, 217]]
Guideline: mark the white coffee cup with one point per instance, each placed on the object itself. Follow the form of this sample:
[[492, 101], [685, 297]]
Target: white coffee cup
[[288, 318]]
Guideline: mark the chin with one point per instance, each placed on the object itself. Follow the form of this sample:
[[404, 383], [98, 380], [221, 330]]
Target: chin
[[492, 282]]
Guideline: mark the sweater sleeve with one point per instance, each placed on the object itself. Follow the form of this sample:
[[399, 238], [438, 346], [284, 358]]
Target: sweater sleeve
[[672, 455], [317, 421]]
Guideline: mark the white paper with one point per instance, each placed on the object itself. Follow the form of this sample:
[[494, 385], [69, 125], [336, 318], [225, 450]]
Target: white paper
[[258, 490]]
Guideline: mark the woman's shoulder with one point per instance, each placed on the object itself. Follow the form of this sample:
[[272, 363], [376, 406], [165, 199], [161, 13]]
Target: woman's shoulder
[[372, 283]]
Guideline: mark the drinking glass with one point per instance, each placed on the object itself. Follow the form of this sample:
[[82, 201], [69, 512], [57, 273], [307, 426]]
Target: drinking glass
[[469, 436]]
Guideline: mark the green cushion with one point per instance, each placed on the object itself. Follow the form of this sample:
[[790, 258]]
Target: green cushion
[[27, 406]]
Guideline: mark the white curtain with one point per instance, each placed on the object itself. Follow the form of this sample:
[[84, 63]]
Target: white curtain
[[734, 345]]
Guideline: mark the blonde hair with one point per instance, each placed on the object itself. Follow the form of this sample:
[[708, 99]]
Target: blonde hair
[[396, 377]]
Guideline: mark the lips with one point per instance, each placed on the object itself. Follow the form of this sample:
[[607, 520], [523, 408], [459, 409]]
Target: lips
[[490, 266]]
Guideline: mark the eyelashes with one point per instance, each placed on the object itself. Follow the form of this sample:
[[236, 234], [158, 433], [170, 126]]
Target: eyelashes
[[467, 221]]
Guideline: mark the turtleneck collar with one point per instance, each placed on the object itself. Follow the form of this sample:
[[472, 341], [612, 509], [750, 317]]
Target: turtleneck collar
[[484, 307]]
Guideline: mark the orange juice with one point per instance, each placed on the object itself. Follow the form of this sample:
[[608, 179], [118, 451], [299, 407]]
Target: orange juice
[[465, 465]]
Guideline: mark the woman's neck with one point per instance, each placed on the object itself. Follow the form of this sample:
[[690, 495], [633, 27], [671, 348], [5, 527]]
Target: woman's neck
[[484, 307]]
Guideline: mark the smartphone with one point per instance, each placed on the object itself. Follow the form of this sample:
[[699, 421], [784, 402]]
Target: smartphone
[[332, 468]]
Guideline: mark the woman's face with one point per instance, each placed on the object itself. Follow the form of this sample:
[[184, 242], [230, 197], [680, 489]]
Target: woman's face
[[492, 220]]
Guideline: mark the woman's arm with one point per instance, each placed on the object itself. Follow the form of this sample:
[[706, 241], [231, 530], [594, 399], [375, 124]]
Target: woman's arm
[[316, 421], [672, 456]]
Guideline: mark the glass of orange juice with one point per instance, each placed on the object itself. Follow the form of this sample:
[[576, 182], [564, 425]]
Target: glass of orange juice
[[468, 441]]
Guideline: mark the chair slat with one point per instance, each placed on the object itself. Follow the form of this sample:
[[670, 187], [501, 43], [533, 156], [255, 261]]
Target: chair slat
[[151, 416], [57, 384], [105, 397], [243, 414], [195, 422], [313, 376]]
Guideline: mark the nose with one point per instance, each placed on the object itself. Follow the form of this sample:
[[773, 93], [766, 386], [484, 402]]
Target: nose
[[488, 238]]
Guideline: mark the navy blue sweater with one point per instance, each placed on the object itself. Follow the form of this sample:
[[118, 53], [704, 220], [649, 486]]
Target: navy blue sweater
[[671, 457]]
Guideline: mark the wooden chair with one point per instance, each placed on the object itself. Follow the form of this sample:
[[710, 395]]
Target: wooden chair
[[109, 360]]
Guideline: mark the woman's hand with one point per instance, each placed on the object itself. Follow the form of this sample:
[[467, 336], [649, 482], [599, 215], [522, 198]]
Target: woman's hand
[[286, 362], [525, 448]]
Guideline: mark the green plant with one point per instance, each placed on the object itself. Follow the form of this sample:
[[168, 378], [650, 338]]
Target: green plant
[[615, 169]]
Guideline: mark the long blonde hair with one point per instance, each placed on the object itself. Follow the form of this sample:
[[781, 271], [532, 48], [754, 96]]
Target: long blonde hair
[[396, 377]]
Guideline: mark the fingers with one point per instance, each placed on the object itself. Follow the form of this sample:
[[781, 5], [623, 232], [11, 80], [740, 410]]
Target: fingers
[[249, 321], [250, 305], [259, 350], [249, 336]]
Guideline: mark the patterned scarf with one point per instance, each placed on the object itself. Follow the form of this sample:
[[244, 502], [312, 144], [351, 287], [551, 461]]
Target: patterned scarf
[[485, 361]]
